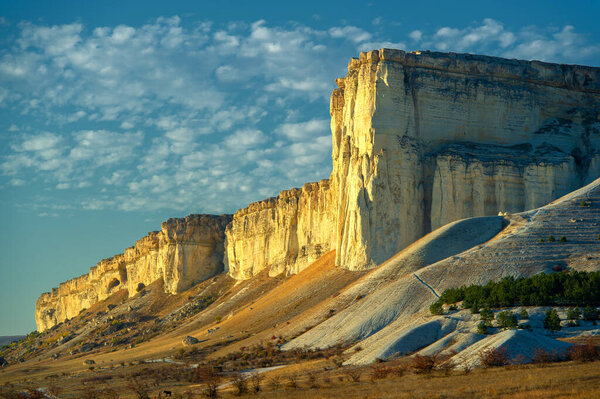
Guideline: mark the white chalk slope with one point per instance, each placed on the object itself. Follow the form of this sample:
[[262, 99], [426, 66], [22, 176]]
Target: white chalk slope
[[392, 317]]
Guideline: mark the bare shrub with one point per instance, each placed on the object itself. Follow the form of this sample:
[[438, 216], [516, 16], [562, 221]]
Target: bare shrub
[[275, 382], [495, 357], [312, 381], [542, 356], [54, 390], [33, 393], [240, 384], [210, 380], [292, 381], [380, 371], [255, 381], [90, 393], [587, 352], [445, 364], [353, 374], [138, 387], [423, 364], [399, 370]]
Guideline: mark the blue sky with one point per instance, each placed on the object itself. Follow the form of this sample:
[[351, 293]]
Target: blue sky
[[115, 116]]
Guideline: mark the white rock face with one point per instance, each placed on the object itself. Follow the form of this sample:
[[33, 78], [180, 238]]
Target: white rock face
[[283, 234], [420, 140], [183, 253]]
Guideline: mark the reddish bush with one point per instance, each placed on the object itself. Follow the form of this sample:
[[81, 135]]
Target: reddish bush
[[423, 364], [380, 371], [494, 357], [587, 352], [542, 356]]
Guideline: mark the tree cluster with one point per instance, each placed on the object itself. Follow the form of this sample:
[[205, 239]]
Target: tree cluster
[[554, 289]]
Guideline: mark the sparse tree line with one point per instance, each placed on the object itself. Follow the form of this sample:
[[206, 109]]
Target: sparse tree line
[[553, 289]]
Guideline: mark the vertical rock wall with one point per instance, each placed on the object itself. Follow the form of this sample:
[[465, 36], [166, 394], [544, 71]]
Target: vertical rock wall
[[183, 253], [422, 139], [282, 234]]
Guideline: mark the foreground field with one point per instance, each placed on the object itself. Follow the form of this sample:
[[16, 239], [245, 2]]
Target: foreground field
[[312, 379]]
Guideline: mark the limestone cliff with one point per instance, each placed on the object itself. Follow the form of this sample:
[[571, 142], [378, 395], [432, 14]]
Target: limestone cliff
[[283, 234], [183, 253], [422, 139]]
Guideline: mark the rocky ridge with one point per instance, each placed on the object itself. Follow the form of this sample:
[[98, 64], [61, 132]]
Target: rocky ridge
[[419, 140], [184, 252]]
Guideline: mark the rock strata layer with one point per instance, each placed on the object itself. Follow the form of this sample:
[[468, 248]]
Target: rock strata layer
[[184, 252]]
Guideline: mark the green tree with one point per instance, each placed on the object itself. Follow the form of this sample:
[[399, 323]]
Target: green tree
[[482, 328], [507, 319], [551, 238], [524, 314], [486, 314], [436, 308], [552, 321], [590, 313], [573, 314]]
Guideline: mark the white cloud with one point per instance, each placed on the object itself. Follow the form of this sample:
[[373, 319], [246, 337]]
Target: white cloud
[[304, 130], [352, 33], [493, 38], [416, 35], [210, 116]]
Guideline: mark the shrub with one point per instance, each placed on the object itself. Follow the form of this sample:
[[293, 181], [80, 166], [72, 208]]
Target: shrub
[[240, 384], [495, 357], [312, 381], [423, 364], [552, 321], [210, 379], [507, 319], [590, 313], [587, 352], [436, 308], [486, 314], [573, 314], [353, 374], [255, 381], [524, 314], [482, 328], [551, 238], [563, 239], [541, 240], [292, 381], [139, 387], [380, 371], [275, 382], [542, 356], [445, 364]]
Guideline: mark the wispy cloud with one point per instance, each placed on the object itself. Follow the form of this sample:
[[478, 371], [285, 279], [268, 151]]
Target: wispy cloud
[[198, 117], [563, 45]]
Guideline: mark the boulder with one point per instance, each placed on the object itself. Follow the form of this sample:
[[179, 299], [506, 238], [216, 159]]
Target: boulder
[[189, 340]]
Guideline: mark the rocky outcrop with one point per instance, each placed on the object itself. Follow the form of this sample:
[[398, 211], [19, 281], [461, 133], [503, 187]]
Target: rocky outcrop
[[282, 234], [184, 252], [422, 139]]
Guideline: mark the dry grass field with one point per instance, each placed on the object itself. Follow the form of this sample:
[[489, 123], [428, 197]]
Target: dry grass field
[[318, 379]]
